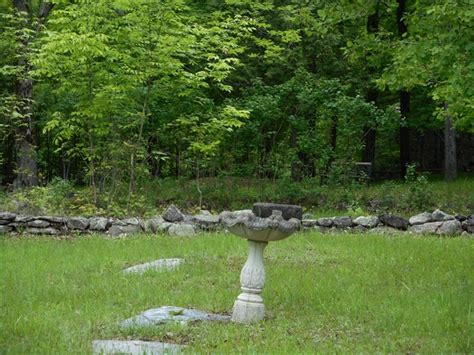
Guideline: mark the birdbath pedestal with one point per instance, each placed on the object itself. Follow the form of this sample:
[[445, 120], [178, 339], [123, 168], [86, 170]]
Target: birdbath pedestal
[[249, 306]]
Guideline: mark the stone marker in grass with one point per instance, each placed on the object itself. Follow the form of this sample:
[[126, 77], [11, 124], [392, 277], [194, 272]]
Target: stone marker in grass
[[157, 265], [134, 347], [167, 314]]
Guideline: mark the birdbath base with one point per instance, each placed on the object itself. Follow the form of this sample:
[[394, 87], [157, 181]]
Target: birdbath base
[[249, 305]]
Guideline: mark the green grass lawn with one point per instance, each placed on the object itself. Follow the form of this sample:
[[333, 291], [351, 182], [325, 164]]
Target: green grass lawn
[[324, 293]]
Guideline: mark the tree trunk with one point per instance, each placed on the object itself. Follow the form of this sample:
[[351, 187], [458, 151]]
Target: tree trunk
[[25, 142], [450, 166], [404, 132], [368, 155], [404, 98]]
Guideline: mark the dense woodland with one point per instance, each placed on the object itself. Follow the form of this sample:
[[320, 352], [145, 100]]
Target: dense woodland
[[112, 93]]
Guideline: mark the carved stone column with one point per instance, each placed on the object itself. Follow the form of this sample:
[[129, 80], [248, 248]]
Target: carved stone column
[[249, 305]]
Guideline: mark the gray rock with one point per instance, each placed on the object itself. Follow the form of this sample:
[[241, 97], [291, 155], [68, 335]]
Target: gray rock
[[342, 222], [7, 216], [308, 223], [383, 230], [206, 212], [460, 217], [426, 228], [265, 210], [53, 219], [99, 224], [470, 221], [308, 216], [23, 219], [160, 264], [132, 221], [4, 221], [368, 222], [359, 229], [167, 314], [173, 214], [181, 230], [116, 230], [133, 347], [49, 231], [421, 218], [38, 223], [439, 215], [206, 221], [324, 222], [394, 221], [152, 225], [163, 228], [450, 227], [5, 229], [78, 223]]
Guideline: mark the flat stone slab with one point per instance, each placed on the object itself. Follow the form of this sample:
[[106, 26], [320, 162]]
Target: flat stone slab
[[157, 265], [134, 347], [165, 314]]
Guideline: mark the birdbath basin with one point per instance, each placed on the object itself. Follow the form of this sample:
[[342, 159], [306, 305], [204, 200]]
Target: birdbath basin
[[258, 231]]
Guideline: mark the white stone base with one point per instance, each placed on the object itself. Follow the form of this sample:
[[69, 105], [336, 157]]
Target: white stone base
[[248, 312]]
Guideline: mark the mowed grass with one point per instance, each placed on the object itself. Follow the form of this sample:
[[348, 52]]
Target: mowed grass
[[324, 293]]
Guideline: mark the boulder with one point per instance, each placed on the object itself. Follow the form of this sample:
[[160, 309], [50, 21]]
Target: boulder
[[7, 216], [116, 230], [308, 223], [324, 222], [38, 223], [342, 222], [99, 224], [53, 219], [439, 215], [367, 222], [163, 227], [23, 219], [421, 218], [5, 229], [151, 225], [206, 221], [78, 223], [132, 221], [383, 230], [425, 228], [394, 221], [359, 229], [468, 224], [450, 227], [181, 230], [460, 217], [49, 231], [173, 214], [265, 210]]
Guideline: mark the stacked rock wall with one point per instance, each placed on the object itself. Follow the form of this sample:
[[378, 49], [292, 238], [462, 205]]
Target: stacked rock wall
[[176, 223]]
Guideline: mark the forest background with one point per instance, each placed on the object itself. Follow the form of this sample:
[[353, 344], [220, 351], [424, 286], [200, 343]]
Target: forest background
[[105, 102]]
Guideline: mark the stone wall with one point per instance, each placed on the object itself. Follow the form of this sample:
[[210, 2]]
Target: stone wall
[[176, 223]]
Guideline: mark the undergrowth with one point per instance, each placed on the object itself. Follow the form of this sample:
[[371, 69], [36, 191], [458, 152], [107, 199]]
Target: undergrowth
[[414, 194]]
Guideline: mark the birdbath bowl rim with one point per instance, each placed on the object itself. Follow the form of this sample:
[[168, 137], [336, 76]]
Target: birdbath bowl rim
[[246, 225]]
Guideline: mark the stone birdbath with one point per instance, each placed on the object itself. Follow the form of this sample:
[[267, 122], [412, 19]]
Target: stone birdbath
[[265, 223]]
